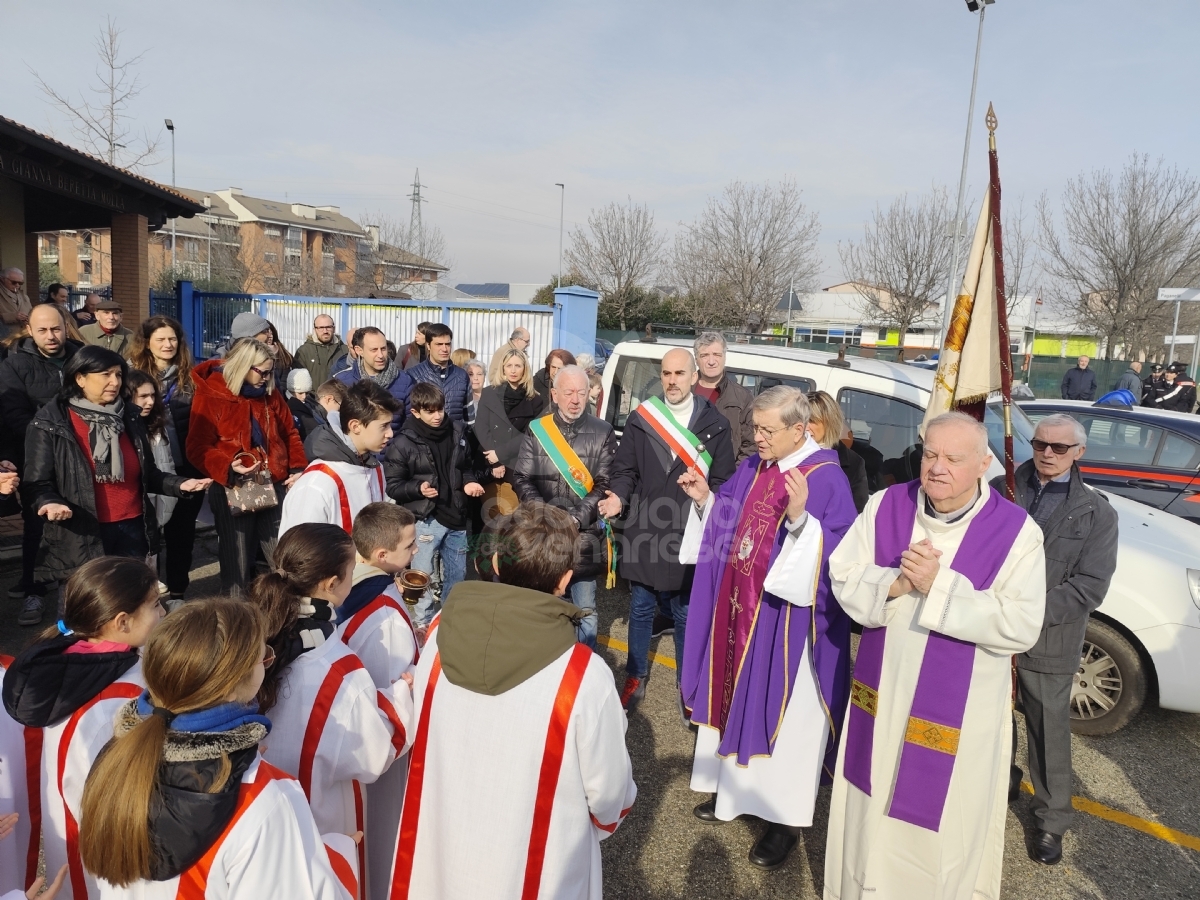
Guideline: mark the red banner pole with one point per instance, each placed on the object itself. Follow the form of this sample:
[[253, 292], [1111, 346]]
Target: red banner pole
[[1001, 306]]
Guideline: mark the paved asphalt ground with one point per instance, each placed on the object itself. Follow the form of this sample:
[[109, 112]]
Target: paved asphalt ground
[[1145, 776]]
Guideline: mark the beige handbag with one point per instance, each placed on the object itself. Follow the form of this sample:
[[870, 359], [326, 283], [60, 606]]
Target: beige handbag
[[254, 492]]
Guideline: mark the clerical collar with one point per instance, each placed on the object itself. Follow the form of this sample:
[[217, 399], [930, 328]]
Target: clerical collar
[[793, 459], [954, 515]]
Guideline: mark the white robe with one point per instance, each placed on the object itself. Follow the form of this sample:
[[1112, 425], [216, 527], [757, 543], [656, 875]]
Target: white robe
[[91, 728], [315, 497], [869, 854], [381, 636], [14, 798], [359, 740], [273, 850], [782, 787], [482, 763]]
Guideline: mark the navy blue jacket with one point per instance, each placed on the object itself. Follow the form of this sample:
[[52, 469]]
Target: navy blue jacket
[[453, 381], [400, 389]]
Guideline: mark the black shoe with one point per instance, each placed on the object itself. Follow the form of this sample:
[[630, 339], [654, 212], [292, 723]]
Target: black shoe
[[1047, 848], [707, 811], [662, 625], [773, 848]]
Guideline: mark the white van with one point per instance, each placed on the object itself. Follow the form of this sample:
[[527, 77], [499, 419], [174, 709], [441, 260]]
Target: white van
[[1145, 638]]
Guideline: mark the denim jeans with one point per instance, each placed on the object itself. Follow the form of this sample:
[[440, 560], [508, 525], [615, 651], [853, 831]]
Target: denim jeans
[[125, 538], [644, 602], [435, 538], [583, 594]]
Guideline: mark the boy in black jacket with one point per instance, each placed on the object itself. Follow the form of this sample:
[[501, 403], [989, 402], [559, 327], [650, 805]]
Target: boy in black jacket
[[432, 467]]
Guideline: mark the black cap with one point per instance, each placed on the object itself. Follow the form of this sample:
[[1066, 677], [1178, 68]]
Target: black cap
[[1177, 368], [1156, 367]]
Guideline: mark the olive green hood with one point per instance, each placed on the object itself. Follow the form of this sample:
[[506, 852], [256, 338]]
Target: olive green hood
[[493, 637]]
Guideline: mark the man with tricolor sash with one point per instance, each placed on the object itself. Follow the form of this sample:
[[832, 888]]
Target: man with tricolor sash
[[664, 438], [518, 767], [765, 666], [948, 579], [565, 461]]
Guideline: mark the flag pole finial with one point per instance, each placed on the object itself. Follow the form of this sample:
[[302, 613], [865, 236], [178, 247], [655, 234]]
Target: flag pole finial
[[992, 122]]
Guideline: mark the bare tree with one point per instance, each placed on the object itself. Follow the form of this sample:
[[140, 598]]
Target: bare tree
[[1124, 237], [104, 125], [903, 260], [394, 251], [1020, 256], [620, 250], [745, 250]]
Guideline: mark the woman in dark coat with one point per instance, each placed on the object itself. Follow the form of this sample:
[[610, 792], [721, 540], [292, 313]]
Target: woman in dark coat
[[826, 424], [543, 381], [506, 407], [89, 468]]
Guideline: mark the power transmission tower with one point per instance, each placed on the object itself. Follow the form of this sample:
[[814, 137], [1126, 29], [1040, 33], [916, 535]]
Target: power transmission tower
[[414, 222]]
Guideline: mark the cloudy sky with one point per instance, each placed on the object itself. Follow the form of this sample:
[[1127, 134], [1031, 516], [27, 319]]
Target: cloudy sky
[[662, 102]]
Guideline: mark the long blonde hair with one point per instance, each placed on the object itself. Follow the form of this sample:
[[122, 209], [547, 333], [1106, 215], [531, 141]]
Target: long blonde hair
[[526, 378], [195, 659], [243, 355], [824, 409]]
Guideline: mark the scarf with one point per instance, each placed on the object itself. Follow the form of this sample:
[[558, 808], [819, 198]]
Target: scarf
[[225, 717], [385, 378], [105, 425], [441, 447], [310, 630], [519, 408]]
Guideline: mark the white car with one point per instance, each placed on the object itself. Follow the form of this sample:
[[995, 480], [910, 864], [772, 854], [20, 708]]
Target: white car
[[1145, 637]]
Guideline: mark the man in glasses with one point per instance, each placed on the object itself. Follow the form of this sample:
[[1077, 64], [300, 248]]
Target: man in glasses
[[1079, 533], [323, 350], [14, 302]]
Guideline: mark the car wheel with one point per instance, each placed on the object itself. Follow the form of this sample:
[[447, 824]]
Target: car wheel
[[1109, 688]]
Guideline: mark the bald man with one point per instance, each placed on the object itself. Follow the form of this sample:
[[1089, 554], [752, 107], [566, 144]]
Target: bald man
[[323, 352], [664, 437], [518, 340]]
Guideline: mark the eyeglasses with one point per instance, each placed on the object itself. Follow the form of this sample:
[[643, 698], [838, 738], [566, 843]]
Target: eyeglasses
[[1059, 449], [324, 328], [265, 373], [269, 658], [769, 433]]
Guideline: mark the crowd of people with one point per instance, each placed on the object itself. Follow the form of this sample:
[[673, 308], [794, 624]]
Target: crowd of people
[[1166, 386], [396, 694]]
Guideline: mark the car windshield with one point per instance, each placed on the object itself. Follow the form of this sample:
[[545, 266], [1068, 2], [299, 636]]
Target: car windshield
[[1022, 428]]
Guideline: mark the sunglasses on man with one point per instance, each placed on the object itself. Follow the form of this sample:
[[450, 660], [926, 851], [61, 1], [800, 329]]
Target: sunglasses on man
[[1059, 449]]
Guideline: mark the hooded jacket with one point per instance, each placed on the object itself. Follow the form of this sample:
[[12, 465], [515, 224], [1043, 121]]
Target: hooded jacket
[[28, 381], [186, 815], [58, 471], [220, 427], [493, 637], [320, 359], [44, 685]]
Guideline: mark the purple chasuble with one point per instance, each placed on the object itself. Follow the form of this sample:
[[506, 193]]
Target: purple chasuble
[[767, 636], [926, 764]]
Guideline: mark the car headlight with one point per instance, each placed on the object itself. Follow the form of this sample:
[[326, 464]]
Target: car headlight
[[1193, 578]]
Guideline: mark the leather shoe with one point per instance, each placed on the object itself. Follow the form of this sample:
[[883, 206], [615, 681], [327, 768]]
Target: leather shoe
[[773, 848], [1047, 848], [707, 811]]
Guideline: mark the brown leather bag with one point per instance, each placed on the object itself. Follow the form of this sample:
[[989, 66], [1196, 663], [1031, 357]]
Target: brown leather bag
[[254, 492]]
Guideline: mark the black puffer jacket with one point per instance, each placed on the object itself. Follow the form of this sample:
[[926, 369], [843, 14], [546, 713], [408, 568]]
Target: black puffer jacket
[[57, 471], [493, 429], [536, 478], [186, 815], [44, 685], [408, 462], [28, 381]]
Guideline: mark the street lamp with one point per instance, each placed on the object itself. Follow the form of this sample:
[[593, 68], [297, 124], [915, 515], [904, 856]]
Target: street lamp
[[171, 128], [562, 205], [979, 6]]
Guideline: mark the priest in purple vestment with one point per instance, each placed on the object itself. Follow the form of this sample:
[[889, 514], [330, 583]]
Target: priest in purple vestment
[[765, 671]]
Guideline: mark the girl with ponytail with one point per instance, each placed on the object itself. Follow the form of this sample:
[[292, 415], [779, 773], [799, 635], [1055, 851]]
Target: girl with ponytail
[[332, 729], [66, 688], [179, 803]]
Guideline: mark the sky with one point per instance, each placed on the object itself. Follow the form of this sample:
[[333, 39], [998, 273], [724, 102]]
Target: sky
[[663, 103]]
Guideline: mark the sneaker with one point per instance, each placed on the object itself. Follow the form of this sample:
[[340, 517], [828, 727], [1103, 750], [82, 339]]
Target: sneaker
[[31, 612], [662, 625], [633, 693]]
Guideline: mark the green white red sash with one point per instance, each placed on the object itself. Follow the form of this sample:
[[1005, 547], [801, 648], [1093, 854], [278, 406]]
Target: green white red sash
[[685, 445]]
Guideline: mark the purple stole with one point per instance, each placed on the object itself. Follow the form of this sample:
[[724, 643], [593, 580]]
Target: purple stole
[[936, 716], [742, 585]]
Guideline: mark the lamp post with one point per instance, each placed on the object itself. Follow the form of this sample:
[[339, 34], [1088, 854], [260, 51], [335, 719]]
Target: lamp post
[[171, 128], [948, 307], [562, 205]]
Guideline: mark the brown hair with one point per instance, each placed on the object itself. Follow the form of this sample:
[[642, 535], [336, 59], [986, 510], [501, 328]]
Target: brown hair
[[366, 401], [194, 660], [378, 526], [100, 590], [333, 388], [156, 422], [461, 356], [824, 409], [566, 357], [142, 359], [426, 397], [304, 557], [535, 545]]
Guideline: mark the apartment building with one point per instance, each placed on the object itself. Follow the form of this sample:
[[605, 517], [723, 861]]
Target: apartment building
[[83, 258]]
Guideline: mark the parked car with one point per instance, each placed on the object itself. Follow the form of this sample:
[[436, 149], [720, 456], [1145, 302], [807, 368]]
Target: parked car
[[1148, 455], [1145, 637], [604, 350]]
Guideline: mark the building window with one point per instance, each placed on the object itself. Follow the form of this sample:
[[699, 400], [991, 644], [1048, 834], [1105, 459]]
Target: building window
[[293, 239], [272, 231], [271, 257], [340, 266], [193, 250], [86, 267]]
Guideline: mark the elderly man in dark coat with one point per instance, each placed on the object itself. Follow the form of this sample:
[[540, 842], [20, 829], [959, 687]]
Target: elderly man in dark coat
[[664, 437], [1079, 530]]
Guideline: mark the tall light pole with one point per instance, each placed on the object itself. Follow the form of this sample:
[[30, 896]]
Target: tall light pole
[[951, 293], [562, 206], [171, 128]]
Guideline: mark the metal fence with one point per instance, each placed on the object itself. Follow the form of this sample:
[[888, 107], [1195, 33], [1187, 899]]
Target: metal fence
[[164, 305]]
